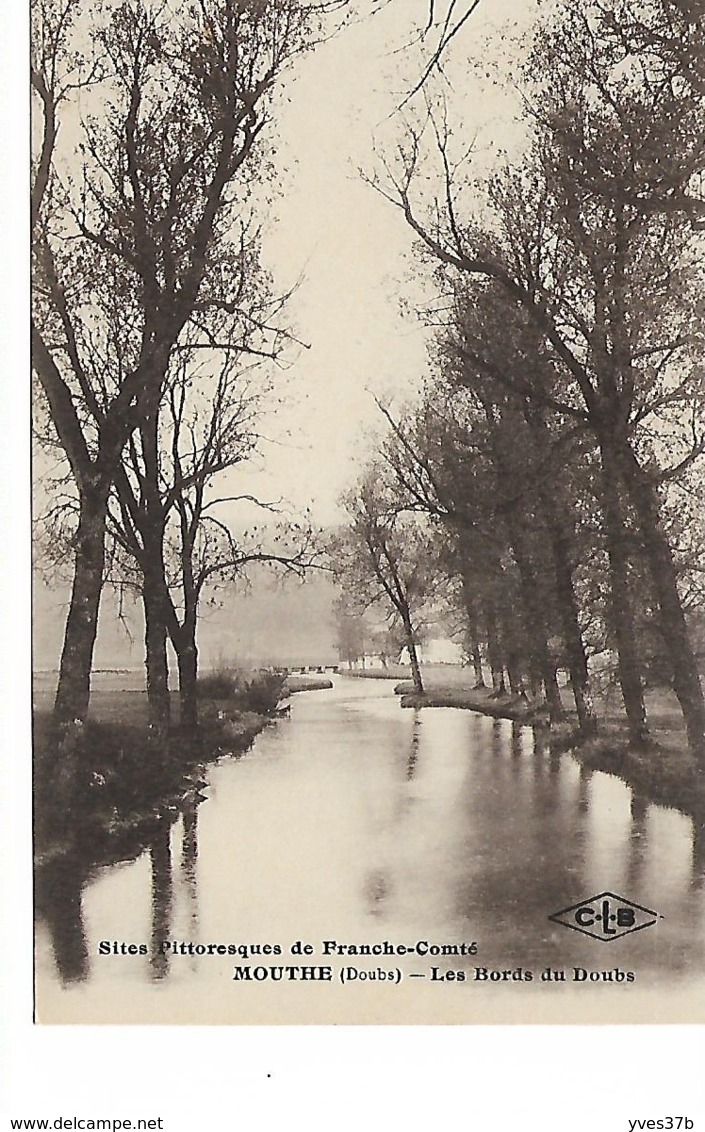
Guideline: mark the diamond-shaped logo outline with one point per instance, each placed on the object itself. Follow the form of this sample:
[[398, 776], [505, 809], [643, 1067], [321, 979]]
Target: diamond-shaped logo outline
[[585, 930]]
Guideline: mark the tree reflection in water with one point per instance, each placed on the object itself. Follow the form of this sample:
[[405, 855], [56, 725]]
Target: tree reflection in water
[[189, 861], [162, 898], [58, 891], [414, 745], [517, 740], [638, 809], [61, 879], [585, 774], [378, 885]]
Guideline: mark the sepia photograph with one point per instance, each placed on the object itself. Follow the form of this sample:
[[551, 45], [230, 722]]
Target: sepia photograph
[[368, 512]]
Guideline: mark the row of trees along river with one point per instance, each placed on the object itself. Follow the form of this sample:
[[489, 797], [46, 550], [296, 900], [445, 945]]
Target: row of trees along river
[[550, 477], [547, 481]]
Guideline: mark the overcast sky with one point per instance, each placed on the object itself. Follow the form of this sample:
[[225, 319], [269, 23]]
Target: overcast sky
[[351, 245]]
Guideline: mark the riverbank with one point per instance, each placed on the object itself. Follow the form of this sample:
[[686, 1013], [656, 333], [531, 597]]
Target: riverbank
[[457, 822], [663, 772], [393, 672], [480, 699], [436, 676], [303, 683], [103, 789]]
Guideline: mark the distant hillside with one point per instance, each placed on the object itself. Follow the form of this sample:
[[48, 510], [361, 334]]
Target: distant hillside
[[270, 623]]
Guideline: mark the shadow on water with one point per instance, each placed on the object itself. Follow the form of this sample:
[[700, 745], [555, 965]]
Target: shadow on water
[[638, 832], [698, 855], [58, 901], [570, 828], [60, 883], [162, 898], [414, 745], [76, 845], [585, 775], [497, 737], [189, 859], [517, 740], [378, 883]]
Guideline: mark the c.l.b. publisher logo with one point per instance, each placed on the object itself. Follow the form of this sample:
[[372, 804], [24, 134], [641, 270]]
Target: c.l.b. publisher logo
[[605, 917]]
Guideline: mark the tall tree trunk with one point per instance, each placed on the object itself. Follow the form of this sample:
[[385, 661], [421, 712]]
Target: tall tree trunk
[[187, 654], [415, 667], [532, 604], [187, 651], [553, 695], [620, 600], [476, 658], [162, 897], [494, 654], [73, 690], [470, 602], [674, 630], [570, 623], [154, 574], [542, 668], [499, 687], [517, 683], [413, 654], [562, 537], [155, 638], [514, 651]]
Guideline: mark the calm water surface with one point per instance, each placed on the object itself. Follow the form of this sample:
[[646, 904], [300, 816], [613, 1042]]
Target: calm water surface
[[357, 821]]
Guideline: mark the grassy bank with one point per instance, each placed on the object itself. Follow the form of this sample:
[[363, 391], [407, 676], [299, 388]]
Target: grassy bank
[[302, 683], [508, 707], [107, 792], [392, 672], [438, 677], [104, 788]]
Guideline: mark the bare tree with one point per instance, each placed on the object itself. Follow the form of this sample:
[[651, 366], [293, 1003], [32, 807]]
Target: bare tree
[[134, 238], [386, 559], [193, 539]]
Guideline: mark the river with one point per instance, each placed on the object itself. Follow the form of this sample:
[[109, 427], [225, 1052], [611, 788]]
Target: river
[[357, 822]]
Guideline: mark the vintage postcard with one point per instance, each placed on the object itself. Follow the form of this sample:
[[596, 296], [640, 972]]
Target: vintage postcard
[[368, 543]]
